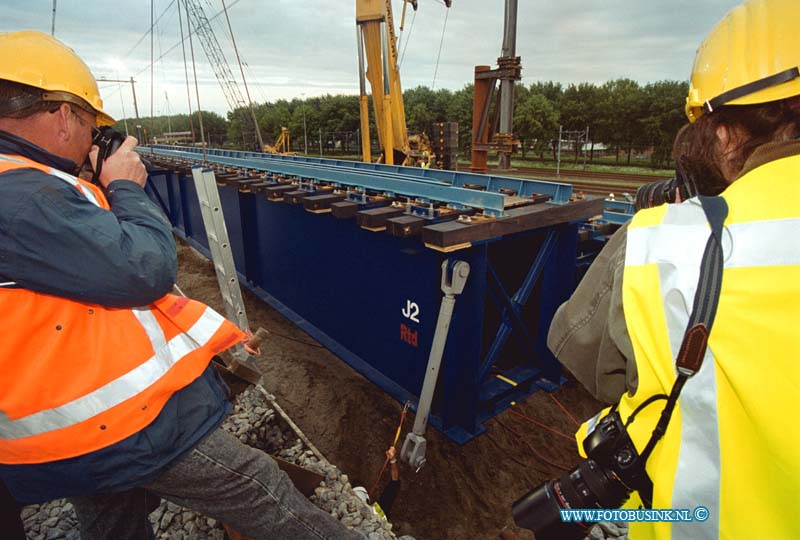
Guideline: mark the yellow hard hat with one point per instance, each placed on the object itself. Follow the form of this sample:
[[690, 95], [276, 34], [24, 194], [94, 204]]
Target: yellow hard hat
[[751, 56], [43, 62]]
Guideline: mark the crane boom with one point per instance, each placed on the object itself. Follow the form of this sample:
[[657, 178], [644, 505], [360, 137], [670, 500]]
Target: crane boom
[[219, 64], [377, 61], [216, 58]]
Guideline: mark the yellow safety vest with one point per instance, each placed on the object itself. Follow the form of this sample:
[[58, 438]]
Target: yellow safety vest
[[731, 445]]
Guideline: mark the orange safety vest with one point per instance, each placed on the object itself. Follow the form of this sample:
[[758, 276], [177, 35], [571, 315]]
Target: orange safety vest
[[78, 377]]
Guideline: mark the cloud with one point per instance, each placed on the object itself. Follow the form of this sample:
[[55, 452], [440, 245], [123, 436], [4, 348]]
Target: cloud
[[294, 47]]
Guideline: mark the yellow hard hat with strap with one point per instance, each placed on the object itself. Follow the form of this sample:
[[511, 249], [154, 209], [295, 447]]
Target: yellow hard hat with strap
[[751, 56], [38, 60]]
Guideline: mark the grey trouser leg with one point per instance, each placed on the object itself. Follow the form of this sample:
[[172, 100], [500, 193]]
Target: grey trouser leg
[[117, 516], [233, 483]]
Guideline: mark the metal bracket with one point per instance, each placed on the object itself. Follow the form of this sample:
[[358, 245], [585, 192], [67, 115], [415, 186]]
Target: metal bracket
[[413, 451]]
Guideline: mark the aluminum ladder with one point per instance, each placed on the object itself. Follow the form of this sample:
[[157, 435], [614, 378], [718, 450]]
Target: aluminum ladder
[[205, 182]]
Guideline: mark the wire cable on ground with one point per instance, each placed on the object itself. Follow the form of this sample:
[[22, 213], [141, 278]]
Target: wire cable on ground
[[569, 414], [543, 426], [307, 343], [526, 463], [531, 448], [396, 438]]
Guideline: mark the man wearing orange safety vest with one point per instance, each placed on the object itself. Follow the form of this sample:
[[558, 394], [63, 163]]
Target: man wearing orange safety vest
[[729, 452], [106, 392]]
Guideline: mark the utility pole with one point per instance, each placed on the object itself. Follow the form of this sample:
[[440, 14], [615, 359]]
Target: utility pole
[[136, 112], [53, 27], [169, 112], [152, 64], [558, 161], [305, 130], [135, 104], [507, 85]]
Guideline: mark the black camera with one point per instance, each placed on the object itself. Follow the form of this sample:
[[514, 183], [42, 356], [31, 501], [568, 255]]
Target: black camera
[[108, 141], [678, 188], [605, 480]]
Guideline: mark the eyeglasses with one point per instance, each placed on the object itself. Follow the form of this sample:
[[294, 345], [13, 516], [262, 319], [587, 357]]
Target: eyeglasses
[[92, 124]]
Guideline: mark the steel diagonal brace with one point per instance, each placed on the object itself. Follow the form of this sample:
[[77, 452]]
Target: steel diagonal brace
[[413, 451], [511, 315]]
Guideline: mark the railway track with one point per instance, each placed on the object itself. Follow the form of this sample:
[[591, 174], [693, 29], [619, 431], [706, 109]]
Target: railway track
[[588, 182]]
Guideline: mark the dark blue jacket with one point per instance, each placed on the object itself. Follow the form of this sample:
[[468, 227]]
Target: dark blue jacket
[[52, 240]]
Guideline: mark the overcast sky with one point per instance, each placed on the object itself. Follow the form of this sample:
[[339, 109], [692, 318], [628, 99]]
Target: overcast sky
[[296, 47]]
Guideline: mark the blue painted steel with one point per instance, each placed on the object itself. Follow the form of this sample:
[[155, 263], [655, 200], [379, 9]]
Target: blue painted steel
[[523, 187], [491, 203], [617, 212], [511, 319], [351, 290], [517, 301], [557, 284]]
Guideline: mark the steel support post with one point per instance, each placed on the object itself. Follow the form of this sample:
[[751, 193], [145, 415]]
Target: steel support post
[[413, 451], [481, 101], [507, 85], [363, 100]]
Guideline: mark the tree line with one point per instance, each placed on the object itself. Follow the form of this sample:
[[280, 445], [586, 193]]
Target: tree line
[[623, 115]]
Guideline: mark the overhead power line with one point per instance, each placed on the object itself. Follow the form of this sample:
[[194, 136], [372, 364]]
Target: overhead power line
[[191, 33], [147, 32]]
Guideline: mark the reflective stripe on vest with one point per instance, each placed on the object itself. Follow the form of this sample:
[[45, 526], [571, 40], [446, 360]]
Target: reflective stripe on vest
[[728, 446], [86, 189], [167, 354], [66, 177], [697, 477]]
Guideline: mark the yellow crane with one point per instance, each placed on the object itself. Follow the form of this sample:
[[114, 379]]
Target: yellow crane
[[282, 144], [377, 46]]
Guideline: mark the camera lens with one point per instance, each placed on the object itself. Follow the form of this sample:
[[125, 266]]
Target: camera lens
[[587, 486], [656, 193], [539, 511], [678, 188]]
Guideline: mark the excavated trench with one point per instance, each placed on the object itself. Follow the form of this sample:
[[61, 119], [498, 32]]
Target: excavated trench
[[257, 420]]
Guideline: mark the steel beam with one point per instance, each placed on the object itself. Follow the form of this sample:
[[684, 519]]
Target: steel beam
[[559, 193]]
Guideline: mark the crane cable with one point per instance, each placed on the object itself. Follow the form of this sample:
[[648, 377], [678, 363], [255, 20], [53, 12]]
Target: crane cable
[[438, 56], [408, 38]]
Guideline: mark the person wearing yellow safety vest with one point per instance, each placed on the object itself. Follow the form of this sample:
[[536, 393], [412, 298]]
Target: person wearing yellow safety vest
[[107, 395], [730, 445]]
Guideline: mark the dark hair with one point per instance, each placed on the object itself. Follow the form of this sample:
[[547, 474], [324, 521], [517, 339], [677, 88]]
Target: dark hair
[[696, 149], [22, 93]]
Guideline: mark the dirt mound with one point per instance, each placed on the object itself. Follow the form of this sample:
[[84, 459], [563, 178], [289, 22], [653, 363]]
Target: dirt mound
[[463, 492]]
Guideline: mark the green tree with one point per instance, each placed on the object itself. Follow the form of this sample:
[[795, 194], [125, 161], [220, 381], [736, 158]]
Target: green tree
[[535, 121], [663, 118]]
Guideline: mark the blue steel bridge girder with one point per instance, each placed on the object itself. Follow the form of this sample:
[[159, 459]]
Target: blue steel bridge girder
[[458, 189]]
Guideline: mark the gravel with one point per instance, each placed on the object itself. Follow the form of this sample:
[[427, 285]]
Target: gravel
[[256, 423]]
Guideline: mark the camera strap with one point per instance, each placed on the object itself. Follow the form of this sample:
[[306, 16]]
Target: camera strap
[[102, 153], [695, 338]]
